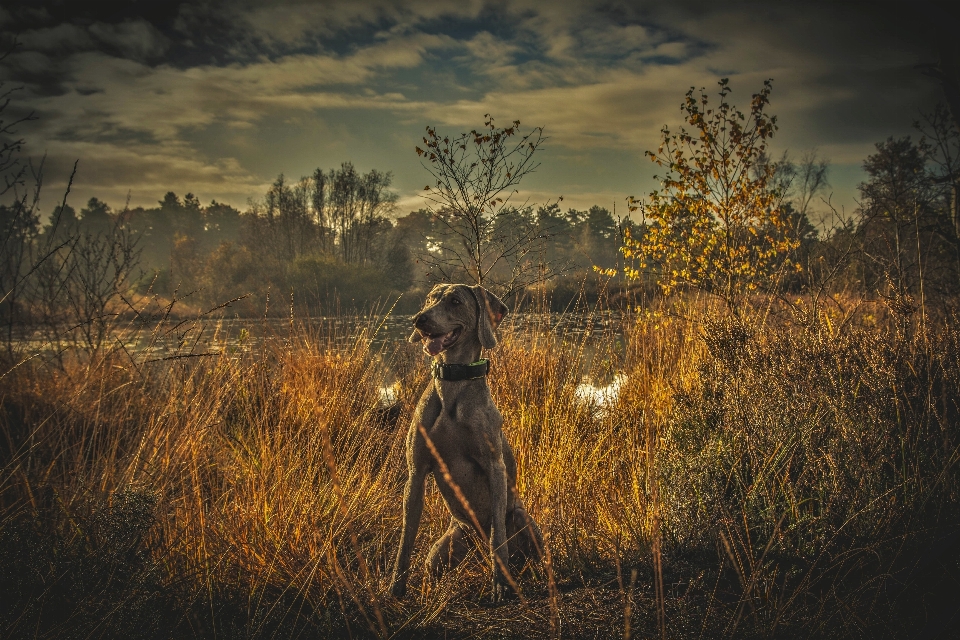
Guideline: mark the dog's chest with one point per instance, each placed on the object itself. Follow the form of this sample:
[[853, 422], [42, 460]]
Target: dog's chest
[[461, 426]]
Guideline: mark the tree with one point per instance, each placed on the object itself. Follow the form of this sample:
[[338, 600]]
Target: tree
[[288, 214], [12, 169], [716, 223], [903, 221], [350, 210], [19, 222], [599, 235], [63, 222], [799, 185], [474, 176], [417, 232], [553, 224], [190, 220], [93, 274], [318, 198], [809, 179], [941, 137], [96, 217], [221, 222], [19, 226]]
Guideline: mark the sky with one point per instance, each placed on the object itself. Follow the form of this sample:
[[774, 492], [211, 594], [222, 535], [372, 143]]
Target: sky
[[218, 98]]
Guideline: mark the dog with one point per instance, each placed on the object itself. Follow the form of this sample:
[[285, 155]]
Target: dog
[[456, 435]]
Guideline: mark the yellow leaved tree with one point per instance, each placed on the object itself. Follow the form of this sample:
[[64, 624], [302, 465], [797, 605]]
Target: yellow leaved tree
[[717, 222]]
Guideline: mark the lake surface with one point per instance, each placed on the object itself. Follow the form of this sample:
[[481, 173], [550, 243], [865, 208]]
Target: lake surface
[[148, 341], [176, 336]]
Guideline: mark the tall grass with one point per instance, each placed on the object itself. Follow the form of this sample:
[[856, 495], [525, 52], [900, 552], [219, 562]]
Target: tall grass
[[763, 478]]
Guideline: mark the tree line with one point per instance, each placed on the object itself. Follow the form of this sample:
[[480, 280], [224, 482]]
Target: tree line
[[333, 241], [727, 219]]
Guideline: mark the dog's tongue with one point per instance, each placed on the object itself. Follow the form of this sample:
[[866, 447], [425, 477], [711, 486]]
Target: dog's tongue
[[433, 346]]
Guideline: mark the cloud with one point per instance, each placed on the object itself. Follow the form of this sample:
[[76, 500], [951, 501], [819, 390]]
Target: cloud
[[60, 39], [164, 101], [136, 39], [281, 25], [602, 79], [133, 124], [616, 41], [401, 52], [826, 88], [490, 53], [111, 172]]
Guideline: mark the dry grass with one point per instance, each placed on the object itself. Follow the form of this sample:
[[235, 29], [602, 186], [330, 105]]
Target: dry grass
[[764, 479]]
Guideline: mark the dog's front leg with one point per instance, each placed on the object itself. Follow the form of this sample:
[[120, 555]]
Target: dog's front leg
[[412, 509], [499, 555]]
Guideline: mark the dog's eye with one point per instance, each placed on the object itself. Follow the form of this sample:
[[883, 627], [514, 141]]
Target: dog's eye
[[455, 300]]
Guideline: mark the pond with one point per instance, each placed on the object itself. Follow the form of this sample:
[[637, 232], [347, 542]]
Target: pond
[[148, 341]]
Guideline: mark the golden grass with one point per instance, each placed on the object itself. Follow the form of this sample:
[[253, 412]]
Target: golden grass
[[753, 471]]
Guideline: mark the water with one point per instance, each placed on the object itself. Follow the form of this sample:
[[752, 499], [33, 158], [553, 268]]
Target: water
[[600, 397], [172, 339]]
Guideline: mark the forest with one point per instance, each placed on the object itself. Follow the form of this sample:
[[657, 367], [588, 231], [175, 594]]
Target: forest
[[331, 241], [334, 241]]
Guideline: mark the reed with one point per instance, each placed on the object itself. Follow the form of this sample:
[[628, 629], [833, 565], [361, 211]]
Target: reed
[[755, 476]]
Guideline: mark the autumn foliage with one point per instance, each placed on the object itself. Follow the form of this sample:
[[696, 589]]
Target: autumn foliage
[[716, 223]]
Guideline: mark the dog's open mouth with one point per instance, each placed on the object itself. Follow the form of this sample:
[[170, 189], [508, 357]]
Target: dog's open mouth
[[434, 344]]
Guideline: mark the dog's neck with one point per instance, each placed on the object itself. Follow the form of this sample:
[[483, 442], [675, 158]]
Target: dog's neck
[[466, 351]]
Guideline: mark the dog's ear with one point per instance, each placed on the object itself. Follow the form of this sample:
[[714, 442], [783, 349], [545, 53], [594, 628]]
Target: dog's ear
[[492, 311]]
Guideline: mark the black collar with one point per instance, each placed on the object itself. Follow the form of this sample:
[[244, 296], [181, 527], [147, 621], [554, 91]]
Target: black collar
[[455, 372]]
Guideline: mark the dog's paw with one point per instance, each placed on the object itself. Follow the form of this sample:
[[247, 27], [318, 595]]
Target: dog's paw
[[498, 592], [398, 588], [502, 591]]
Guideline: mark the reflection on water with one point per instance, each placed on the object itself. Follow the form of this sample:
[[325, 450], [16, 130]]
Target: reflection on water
[[601, 398], [390, 394], [598, 398]]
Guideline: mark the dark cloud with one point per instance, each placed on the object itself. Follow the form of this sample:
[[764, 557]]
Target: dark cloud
[[178, 33], [232, 91], [61, 39], [33, 14], [134, 39]]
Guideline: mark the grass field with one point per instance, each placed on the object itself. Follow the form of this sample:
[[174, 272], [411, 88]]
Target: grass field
[[784, 474]]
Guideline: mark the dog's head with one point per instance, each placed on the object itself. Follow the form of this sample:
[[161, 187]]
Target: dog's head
[[457, 314]]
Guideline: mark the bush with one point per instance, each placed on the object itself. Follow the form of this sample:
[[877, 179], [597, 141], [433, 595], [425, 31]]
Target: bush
[[83, 572], [325, 283]]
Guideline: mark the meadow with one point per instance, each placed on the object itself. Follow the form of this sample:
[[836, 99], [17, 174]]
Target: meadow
[[784, 471]]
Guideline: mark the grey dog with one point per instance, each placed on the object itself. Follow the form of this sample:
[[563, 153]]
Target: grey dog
[[456, 435]]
